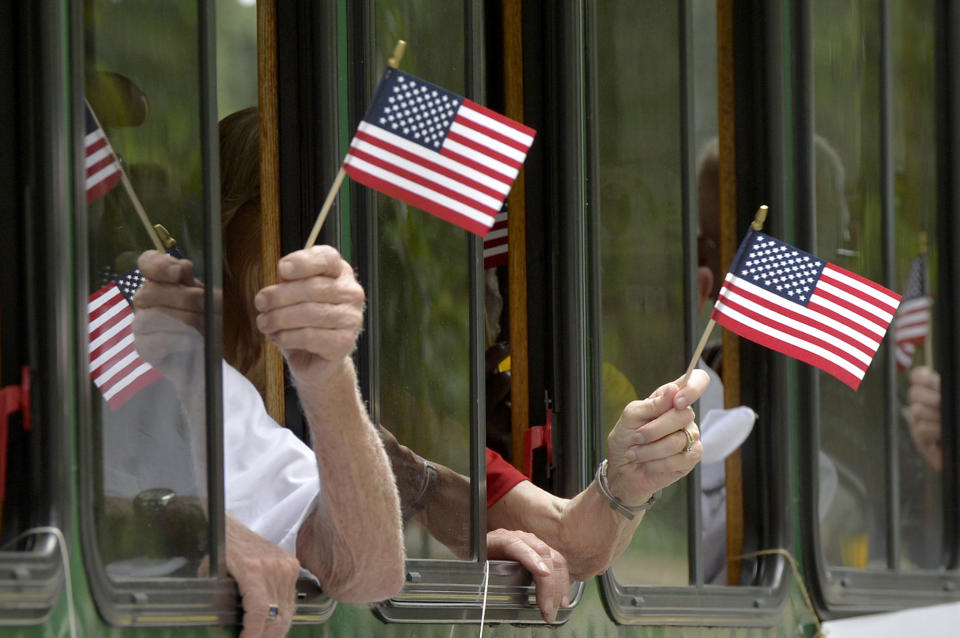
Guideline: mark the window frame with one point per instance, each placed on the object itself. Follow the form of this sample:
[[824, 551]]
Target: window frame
[[841, 591], [760, 173], [146, 602], [33, 579]]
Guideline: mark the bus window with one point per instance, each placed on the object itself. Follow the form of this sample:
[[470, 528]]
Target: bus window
[[875, 174], [147, 149]]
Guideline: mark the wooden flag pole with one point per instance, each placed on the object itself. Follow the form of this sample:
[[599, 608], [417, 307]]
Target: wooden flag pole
[[757, 225], [127, 186], [928, 342], [394, 62]]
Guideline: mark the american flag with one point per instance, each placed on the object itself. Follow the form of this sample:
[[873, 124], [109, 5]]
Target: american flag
[[437, 151], [912, 323], [115, 367], [102, 167], [795, 303], [495, 243]]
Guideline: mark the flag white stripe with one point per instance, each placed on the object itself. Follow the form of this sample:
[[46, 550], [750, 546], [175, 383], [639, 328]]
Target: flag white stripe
[[910, 305], [97, 156], [497, 233], [101, 175], [501, 217], [480, 158], [494, 145], [113, 370], [855, 301], [417, 189], [111, 332], [791, 340], [495, 125], [913, 318], [418, 169], [127, 380], [905, 355], [797, 325], [112, 352], [495, 250], [107, 316], [880, 296], [93, 137], [106, 297], [864, 323], [911, 332], [813, 315], [433, 156]]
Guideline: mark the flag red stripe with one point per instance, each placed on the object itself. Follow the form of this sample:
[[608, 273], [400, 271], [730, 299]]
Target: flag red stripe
[[787, 349], [771, 321], [864, 297], [477, 166], [780, 310], [503, 119], [481, 148], [135, 386], [433, 166], [847, 307], [492, 134], [112, 306], [106, 345], [423, 181], [103, 163], [96, 145], [499, 241], [417, 200], [102, 188], [866, 282], [112, 361]]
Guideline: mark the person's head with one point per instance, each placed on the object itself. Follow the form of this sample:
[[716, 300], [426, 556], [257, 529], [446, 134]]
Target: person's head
[[240, 220]]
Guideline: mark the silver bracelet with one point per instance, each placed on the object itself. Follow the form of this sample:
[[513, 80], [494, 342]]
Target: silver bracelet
[[615, 503]]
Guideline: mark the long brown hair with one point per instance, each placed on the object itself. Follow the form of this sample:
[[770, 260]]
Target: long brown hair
[[240, 220]]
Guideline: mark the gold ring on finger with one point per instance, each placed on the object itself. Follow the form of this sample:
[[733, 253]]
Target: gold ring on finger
[[690, 439]]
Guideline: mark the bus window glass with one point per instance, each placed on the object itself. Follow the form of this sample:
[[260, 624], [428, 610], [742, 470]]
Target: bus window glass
[[236, 56], [148, 393], [847, 177], [423, 276], [641, 259], [915, 199]]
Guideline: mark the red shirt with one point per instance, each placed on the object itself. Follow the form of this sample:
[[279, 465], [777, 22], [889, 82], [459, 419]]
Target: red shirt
[[501, 477]]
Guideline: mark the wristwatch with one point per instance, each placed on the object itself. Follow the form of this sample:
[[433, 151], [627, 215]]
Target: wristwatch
[[616, 504]]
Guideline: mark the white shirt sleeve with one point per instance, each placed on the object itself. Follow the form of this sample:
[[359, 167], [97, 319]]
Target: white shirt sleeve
[[270, 476]]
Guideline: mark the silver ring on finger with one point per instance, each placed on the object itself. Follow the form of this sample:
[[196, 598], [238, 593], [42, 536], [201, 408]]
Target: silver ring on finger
[[273, 612]]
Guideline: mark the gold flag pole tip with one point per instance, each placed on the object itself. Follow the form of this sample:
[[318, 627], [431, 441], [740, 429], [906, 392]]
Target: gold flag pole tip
[[398, 50], [759, 218]]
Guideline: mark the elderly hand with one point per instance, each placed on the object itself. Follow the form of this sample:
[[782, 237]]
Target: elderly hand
[[548, 566], [314, 313], [168, 307], [266, 576], [656, 441], [923, 415]]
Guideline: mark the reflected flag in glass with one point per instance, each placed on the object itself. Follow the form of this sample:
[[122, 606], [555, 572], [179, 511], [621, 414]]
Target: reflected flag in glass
[[911, 326], [438, 151], [795, 303], [101, 167], [115, 367]]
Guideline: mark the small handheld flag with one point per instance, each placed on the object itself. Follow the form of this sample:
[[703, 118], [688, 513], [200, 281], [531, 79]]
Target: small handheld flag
[[115, 367], [795, 303], [912, 323], [102, 169], [438, 151]]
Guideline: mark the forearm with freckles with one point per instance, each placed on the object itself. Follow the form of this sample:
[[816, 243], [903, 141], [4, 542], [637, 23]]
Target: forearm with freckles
[[585, 529], [353, 538]]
